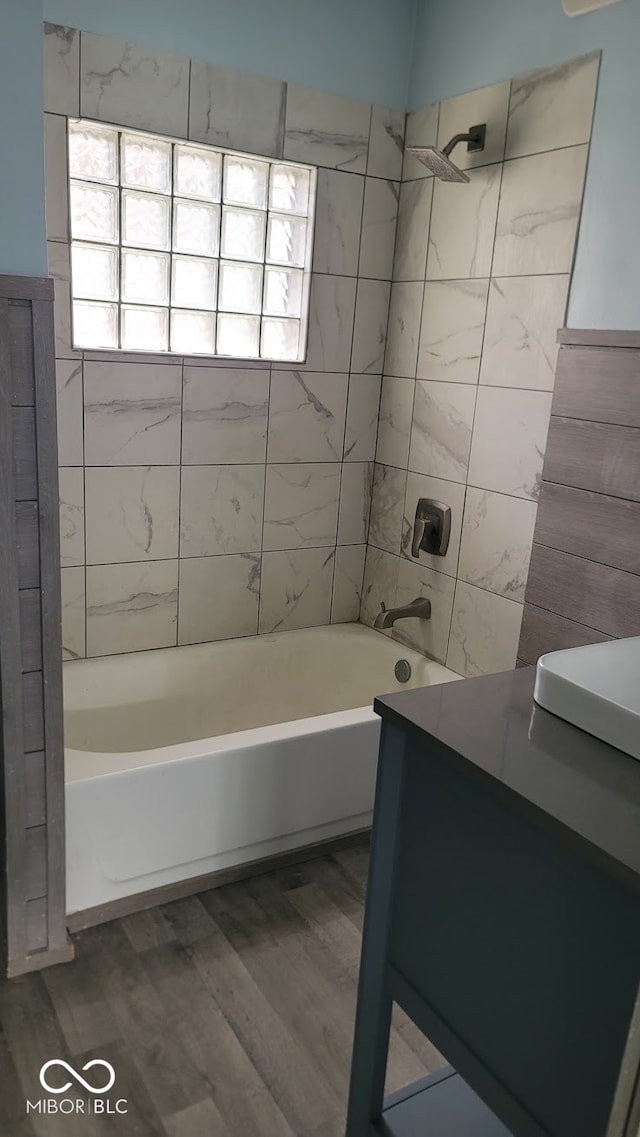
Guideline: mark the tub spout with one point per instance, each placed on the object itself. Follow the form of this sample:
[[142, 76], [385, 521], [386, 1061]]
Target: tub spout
[[418, 609]]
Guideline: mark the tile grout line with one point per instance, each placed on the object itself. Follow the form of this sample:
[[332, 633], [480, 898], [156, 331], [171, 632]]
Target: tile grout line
[[179, 533], [264, 500]]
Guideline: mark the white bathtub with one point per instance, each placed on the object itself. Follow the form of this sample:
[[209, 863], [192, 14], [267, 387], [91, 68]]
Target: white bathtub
[[185, 761]]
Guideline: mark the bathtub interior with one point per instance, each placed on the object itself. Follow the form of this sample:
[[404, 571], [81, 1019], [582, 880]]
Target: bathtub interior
[[154, 699]]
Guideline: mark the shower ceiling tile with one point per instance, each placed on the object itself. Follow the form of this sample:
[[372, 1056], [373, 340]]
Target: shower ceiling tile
[[552, 107], [379, 585], [404, 328], [132, 86], [422, 130], [489, 105], [441, 430], [132, 414], [387, 502], [307, 416], [522, 420], [362, 418], [355, 503], [218, 598], [484, 632], [451, 494], [386, 143], [338, 220], [73, 613], [224, 415], [131, 513], [69, 412], [463, 225], [378, 228], [301, 505], [347, 583], [71, 492], [131, 607], [523, 318], [413, 230], [221, 510], [396, 407], [431, 637], [296, 589], [61, 70], [497, 536], [370, 330], [235, 109], [326, 130], [539, 213], [452, 330]]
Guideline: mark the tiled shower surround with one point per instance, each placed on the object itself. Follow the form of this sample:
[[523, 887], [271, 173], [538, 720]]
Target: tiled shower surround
[[480, 284], [203, 500]]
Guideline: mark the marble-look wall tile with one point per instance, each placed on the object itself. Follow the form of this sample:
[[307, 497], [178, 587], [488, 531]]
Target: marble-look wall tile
[[355, 503], [485, 630], [71, 490], [396, 407], [237, 110], [422, 130], [463, 225], [326, 130], [452, 330], [61, 70], [404, 329], [224, 415], [489, 105], [131, 607], [497, 536], [60, 269], [378, 229], [296, 589], [56, 189], [218, 598], [132, 414], [338, 221], [523, 318], [331, 314], [73, 613], [431, 637], [509, 438], [69, 412], [441, 430], [413, 229], [370, 330], [133, 86], [301, 505], [387, 502], [221, 510], [379, 585], [132, 513], [307, 416], [552, 107], [386, 143], [347, 583], [449, 493], [362, 418], [539, 213]]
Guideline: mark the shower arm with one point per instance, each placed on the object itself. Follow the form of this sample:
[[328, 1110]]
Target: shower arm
[[475, 138]]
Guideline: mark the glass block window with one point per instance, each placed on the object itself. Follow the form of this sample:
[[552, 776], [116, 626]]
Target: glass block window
[[185, 248]]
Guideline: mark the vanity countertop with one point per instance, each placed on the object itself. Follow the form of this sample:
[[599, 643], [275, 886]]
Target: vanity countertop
[[583, 789]]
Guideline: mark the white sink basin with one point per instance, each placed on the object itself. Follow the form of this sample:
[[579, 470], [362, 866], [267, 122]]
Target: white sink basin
[[596, 688]]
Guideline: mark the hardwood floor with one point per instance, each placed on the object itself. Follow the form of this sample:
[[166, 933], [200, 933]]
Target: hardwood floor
[[227, 1014]]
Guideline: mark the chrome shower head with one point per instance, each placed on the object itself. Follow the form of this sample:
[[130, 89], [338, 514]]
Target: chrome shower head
[[439, 161]]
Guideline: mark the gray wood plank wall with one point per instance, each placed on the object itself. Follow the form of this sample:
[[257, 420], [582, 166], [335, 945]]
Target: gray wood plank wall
[[32, 870], [584, 578]]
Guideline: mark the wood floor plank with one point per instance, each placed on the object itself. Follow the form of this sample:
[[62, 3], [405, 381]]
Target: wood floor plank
[[199, 1120], [141, 1118], [13, 1116], [188, 919], [81, 1009], [148, 929]]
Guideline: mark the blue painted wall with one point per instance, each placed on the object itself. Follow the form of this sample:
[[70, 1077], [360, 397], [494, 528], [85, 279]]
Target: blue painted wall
[[358, 48], [22, 236], [463, 44]]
